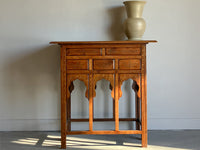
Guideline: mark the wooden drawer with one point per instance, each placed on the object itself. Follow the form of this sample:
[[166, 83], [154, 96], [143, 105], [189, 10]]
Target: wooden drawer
[[135, 50], [73, 64], [103, 64], [83, 52], [130, 64]]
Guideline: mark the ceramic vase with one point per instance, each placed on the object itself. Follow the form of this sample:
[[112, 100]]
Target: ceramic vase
[[134, 25]]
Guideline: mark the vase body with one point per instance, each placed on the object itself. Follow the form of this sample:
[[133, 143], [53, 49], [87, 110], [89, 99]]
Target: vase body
[[134, 25]]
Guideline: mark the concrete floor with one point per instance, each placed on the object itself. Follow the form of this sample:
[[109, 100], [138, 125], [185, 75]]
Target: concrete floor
[[158, 140]]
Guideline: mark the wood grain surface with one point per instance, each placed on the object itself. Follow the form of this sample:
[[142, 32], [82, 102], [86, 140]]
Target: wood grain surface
[[114, 61]]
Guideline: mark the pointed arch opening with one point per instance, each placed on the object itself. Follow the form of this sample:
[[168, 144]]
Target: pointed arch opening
[[128, 105], [103, 105], [79, 104]]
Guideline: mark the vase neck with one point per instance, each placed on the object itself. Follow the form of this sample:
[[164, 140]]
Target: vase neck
[[134, 8]]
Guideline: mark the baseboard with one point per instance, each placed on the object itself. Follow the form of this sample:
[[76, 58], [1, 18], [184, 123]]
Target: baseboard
[[173, 121], [29, 124], [173, 124]]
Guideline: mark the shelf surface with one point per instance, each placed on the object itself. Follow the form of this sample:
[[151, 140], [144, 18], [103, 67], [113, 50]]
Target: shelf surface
[[102, 42]]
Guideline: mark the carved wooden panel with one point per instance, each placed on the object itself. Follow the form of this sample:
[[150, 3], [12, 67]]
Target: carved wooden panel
[[108, 77], [106, 64], [134, 50], [83, 51], [72, 77], [129, 64], [77, 64], [134, 77]]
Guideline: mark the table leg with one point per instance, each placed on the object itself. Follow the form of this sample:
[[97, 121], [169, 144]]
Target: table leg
[[144, 112], [63, 98], [63, 123], [116, 103]]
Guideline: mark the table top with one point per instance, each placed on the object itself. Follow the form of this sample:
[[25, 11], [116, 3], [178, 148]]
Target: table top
[[102, 42]]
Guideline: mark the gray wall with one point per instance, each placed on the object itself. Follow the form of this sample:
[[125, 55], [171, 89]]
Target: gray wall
[[29, 66]]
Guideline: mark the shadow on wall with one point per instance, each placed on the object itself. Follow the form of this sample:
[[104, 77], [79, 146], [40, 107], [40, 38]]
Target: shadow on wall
[[117, 17], [32, 85]]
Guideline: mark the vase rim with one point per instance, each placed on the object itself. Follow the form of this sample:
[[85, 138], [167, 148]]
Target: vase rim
[[134, 1]]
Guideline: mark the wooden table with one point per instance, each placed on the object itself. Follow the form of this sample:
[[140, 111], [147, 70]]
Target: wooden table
[[115, 61]]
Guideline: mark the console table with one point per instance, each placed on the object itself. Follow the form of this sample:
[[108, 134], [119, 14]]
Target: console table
[[115, 61]]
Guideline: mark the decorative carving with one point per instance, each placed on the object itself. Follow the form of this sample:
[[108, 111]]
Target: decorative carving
[[71, 87], [71, 78], [136, 84], [108, 77], [111, 87]]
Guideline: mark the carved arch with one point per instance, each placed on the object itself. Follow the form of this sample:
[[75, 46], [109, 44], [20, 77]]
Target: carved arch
[[70, 85], [108, 77], [136, 85]]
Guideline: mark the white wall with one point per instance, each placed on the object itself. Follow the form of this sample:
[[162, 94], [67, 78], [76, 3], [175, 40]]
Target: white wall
[[29, 66]]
